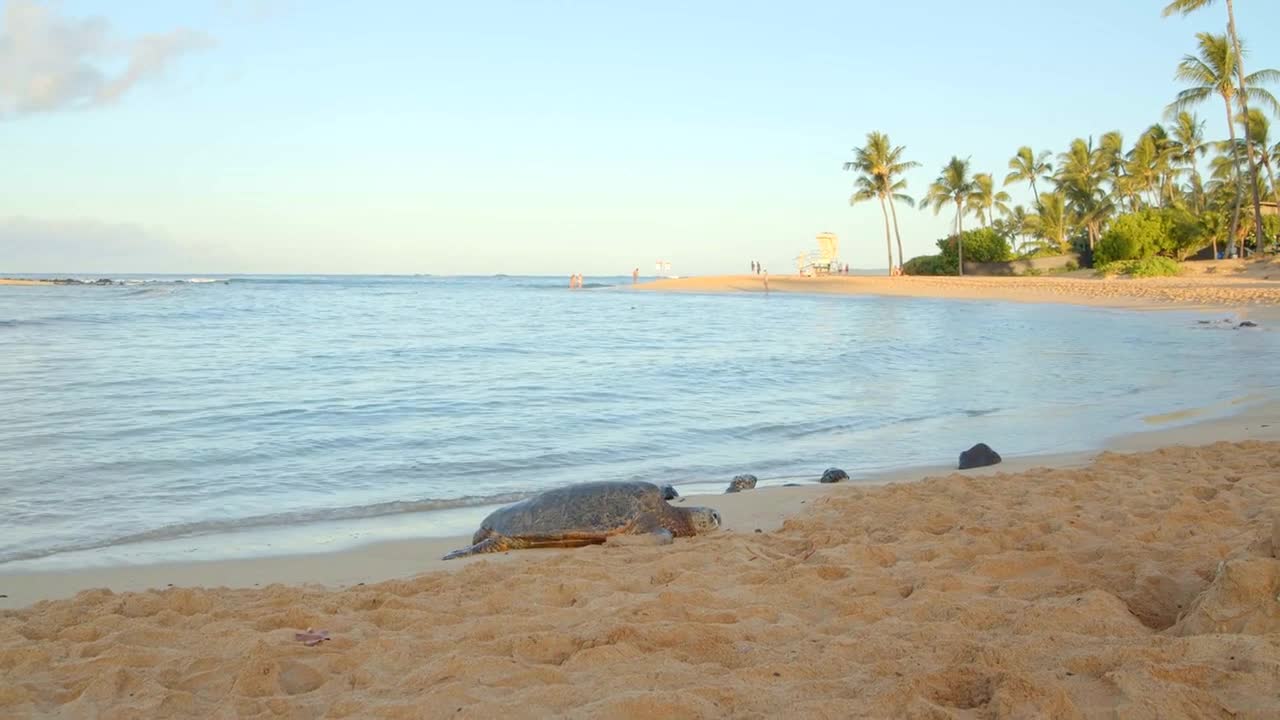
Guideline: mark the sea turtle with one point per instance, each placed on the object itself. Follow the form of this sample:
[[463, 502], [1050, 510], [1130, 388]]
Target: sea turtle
[[587, 514]]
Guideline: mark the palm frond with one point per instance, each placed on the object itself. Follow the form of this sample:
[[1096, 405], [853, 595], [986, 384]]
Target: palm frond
[[1185, 7], [1263, 97]]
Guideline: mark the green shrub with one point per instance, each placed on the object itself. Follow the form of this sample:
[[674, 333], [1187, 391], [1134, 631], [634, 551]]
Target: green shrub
[[1171, 232], [1155, 267], [983, 245], [1131, 237], [928, 265], [1271, 227], [1145, 267], [1033, 271], [1187, 234]]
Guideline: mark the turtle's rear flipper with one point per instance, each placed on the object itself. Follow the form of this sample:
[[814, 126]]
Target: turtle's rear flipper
[[493, 543]]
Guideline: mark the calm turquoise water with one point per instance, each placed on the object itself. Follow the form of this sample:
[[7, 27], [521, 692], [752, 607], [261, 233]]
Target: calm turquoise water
[[162, 419]]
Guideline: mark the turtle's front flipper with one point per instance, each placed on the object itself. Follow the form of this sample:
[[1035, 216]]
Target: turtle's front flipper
[[649, 530], [660, 536], [493, 543]]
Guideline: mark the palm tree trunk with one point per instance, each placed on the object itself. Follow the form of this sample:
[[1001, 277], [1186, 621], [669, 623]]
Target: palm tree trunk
[[1235, 158], [902, 259], [1275, 191], [959, 239], [888, 243], [1035, 193], [1244, 110]]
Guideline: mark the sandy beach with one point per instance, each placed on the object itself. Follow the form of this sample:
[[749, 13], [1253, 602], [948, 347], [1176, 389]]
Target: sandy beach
[[23, 281], [1142, 581], [1134, 584], [1242, 286]]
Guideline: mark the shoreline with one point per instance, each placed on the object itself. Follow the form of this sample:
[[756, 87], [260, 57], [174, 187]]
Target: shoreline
[[1248, 296], [765, 508]]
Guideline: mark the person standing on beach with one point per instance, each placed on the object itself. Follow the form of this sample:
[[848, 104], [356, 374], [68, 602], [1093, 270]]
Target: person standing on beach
[[635, 276], [766, 281]]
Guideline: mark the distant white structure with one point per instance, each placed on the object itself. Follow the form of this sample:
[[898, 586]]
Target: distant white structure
[[664, 268], [826, 259]]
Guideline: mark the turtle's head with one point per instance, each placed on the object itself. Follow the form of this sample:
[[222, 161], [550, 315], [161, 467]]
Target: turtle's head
[[703, 519]]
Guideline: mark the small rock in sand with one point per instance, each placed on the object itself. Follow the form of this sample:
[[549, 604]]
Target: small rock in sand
[[834, 475], [980, 455], [741, 482]]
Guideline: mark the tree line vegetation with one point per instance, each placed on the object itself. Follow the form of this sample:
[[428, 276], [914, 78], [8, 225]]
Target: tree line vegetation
[[1135, 209]]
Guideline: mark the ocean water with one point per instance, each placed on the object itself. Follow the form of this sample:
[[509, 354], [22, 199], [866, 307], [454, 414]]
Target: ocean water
[[161, 420]]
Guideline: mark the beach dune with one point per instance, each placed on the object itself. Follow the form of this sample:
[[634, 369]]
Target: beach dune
[[1139, 586]]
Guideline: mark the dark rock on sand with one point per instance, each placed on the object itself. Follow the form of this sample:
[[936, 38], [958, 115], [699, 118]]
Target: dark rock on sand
[[980, 455], [834, 475], [1247, 323], [669, 493], [741, 482]]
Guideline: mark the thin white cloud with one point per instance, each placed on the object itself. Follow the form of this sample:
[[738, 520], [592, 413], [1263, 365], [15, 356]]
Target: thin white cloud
[[49, 62]]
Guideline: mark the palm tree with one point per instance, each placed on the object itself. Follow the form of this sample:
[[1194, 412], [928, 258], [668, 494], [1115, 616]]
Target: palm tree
[[1211, 73], [1186, 7], [1016, 222], [1162, 166], [866, 188], [1188, 148], [1111, 153], [882, 165], [1257, 129], [1214, 72], [1082, 170], [1146, 166], [985, 200], [1028, 167], [1051, 222], [953, 185]]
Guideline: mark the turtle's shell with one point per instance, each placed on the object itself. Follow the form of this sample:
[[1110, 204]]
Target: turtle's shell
[[589, 509]]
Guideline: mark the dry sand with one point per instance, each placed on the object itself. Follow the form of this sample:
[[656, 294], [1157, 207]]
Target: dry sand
[[1238, 285], [1141, 585]]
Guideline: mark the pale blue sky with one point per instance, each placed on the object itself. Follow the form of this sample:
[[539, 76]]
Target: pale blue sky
[[549, 137]]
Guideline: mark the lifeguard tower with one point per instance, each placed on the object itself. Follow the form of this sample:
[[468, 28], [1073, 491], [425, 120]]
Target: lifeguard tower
[[825, 260]]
